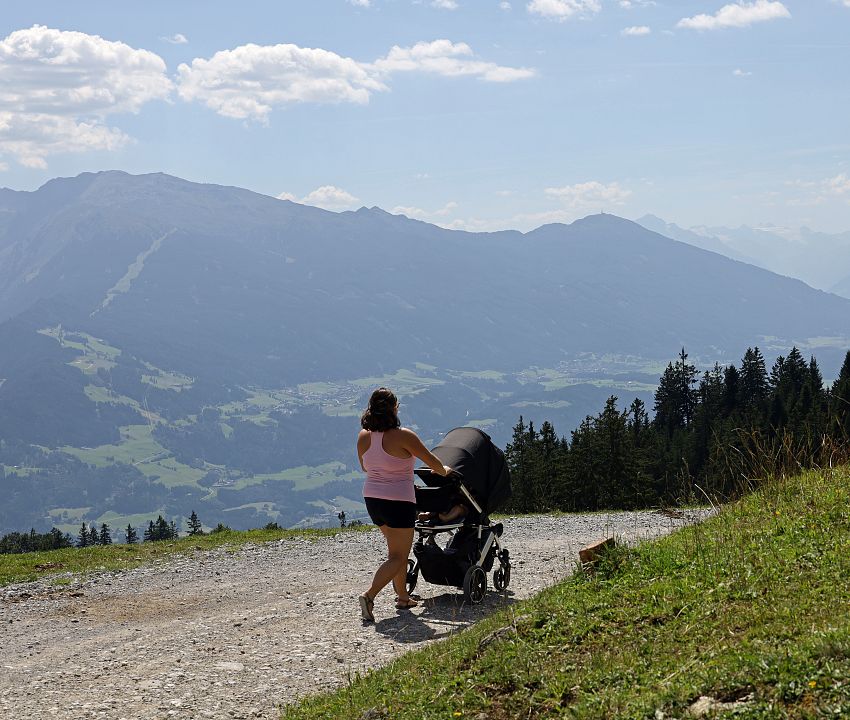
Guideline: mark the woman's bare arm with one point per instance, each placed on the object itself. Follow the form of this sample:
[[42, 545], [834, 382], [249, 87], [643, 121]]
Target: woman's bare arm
[[363, 442], [414, 446]]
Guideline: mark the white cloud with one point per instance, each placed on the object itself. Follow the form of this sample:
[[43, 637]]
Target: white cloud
[[636, 31], [561, 10], [443, 57], [420, 214], [737, 72], [505, 5], [630, 4], [591, 194], [58, 87], [740, 14], [840, 184], [361, 3], [444, 4], [176, 39], [820, 192], [328, 197], [250, 80]]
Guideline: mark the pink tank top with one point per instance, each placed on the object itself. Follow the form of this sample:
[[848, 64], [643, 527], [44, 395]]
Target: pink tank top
[[387, 477]]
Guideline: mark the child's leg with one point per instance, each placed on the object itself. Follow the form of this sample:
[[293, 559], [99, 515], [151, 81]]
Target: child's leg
[[456, 513]]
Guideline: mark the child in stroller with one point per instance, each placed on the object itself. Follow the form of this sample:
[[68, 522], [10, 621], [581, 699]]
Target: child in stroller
[[458, 509], [459, 505]]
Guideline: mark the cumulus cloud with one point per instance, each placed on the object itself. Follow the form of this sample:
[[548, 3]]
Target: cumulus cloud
[[741, 14], [629, 4], [561, 10], [58, 87], [328, 197], [249, 81], [737, 72], [444, 4], [176, 39], [361, 3], [590, 194], [840, 184], [636, 31], [443, 57], [505, 5], [420, 214]]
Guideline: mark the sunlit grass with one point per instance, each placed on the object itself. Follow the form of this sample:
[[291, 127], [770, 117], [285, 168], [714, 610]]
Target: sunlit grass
[[751, 605]]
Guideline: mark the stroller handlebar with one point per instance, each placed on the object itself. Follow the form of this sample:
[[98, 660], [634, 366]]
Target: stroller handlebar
[[428, 475]]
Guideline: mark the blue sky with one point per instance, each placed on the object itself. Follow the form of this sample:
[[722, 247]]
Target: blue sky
[[475, 114]]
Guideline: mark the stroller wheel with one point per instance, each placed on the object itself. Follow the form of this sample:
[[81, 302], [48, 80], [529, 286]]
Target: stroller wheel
[[502, 577], [475, 584], [412, 576]]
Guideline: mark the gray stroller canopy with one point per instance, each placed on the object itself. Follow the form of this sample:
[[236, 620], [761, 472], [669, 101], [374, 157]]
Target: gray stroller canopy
[[485, 472]]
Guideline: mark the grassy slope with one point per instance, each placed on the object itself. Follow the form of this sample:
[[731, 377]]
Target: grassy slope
[[754, 601], [58, 563]]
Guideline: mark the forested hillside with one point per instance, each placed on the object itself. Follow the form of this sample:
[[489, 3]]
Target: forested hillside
[[713, 435]]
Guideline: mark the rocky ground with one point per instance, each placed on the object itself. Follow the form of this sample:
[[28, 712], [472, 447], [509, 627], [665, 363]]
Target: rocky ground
[[236, 634]]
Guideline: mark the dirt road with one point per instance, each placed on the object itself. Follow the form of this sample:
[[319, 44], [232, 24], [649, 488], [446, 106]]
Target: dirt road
[[236, 634]]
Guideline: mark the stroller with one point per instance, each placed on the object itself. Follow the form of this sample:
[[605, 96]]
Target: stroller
[[482, 482]]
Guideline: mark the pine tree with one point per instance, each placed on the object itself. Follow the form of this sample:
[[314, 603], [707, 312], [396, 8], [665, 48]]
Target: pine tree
[[173, 532], [754, 384], [131, 537], [94, 539], [195, 526], [839, 403], [83, 537], [105, 537], [676, 397], [150, 534], [517, 456]]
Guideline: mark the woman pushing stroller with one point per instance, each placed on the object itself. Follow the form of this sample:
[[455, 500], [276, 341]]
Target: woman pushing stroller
[[387, 455]]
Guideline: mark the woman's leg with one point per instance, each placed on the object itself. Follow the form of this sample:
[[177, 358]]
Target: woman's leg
[[394, 568]]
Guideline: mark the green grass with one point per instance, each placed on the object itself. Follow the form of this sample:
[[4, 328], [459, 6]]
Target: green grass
[[754, 602], [82, 561], [139, 448], [304, 477]]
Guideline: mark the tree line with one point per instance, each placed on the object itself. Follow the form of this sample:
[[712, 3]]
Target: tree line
[[712, 436], [90, 535]]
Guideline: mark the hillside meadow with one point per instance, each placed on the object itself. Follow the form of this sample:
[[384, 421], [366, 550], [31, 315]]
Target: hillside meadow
[[745, 614]]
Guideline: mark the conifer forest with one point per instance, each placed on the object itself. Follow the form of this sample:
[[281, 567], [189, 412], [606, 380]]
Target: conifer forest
[[711, 437]]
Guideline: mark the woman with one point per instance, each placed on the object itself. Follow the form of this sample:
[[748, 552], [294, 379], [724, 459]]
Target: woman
[[387, 453]]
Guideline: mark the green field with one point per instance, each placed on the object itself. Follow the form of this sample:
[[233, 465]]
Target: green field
[[139, 448], [304, 477], [61, 565]]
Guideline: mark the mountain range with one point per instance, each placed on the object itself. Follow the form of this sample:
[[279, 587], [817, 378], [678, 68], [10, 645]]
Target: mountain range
[[168, 346], [819, 259]]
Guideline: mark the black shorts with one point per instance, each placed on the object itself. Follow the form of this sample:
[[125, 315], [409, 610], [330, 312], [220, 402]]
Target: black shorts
[[393, 513]]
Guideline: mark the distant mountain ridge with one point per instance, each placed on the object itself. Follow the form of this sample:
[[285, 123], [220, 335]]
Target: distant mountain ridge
[[179, 345], [819, 259]]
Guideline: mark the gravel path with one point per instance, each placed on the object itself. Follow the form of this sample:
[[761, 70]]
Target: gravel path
[[225, 634]]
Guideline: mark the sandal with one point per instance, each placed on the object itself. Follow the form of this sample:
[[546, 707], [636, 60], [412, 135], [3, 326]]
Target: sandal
[[367, 604], [406, 604]]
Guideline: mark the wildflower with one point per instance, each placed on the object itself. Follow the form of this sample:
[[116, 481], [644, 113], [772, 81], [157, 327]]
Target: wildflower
[[813, 683]]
